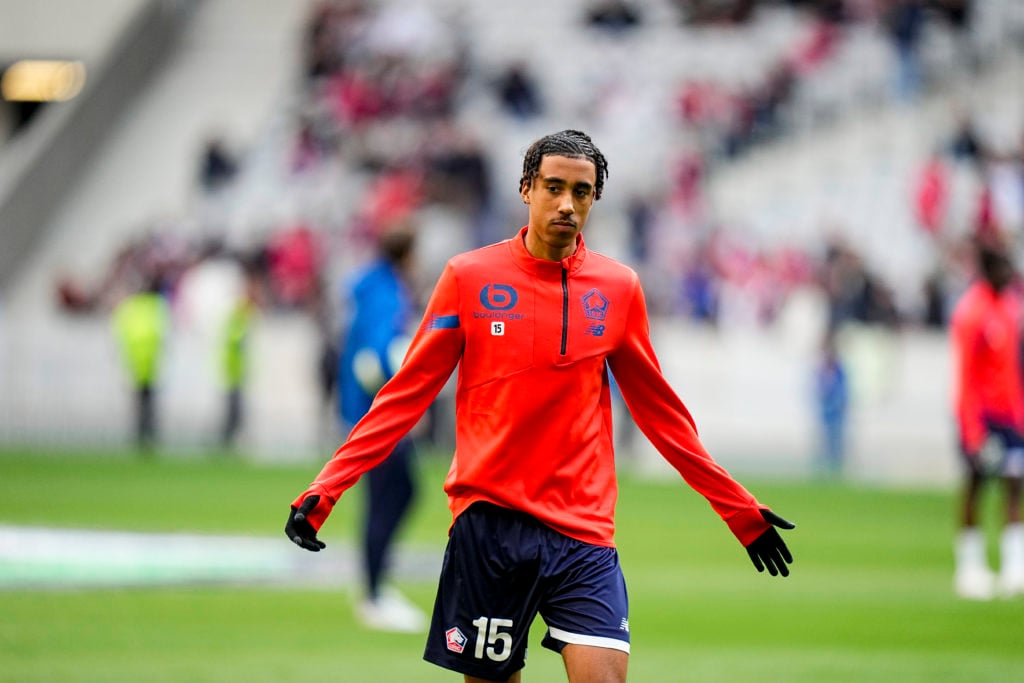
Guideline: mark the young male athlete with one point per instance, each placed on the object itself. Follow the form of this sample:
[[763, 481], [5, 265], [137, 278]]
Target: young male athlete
[[534, 324], [989, 398]]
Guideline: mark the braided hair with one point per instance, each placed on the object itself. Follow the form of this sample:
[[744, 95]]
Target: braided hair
[[568, 143]]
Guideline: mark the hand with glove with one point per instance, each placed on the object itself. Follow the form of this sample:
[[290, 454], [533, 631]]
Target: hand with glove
[[768, 549], [298, 528]]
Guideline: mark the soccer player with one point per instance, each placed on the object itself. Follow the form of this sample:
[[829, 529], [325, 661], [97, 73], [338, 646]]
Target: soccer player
[[534, 324], [375, 340], [989, 398]]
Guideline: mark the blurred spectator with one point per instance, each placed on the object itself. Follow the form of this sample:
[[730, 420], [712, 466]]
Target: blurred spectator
[[293, 261], [854, 292], [687, 192], [965, 144], [392, 198], [311, 147], [459, 174], [160, 255], [1005, 181], [767, 101], [218, 165], [699, 12], [518, 92], [958, 16], [700, 290], [986, 225], [334, 26], [613, 16], [931, 195], [141, 323], [817, 44], [640, 212], [936, 314], [905, 24]]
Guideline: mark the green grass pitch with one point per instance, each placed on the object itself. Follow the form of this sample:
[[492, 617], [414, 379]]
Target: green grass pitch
[[869, 600]]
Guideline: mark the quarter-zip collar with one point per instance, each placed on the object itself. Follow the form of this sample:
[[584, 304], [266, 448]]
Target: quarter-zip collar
[[536, 266]]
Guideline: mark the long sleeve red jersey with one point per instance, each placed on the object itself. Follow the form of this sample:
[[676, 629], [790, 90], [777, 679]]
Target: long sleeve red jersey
[[987, 343], [533, 340]]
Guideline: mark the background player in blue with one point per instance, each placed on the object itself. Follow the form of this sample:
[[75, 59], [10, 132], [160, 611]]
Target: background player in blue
[[372, 346]]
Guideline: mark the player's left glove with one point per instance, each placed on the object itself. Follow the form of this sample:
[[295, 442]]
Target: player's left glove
[[298, 528], [768, 549]]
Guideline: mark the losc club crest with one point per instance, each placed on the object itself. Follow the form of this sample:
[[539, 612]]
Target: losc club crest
[[456, 639], [595, 305]]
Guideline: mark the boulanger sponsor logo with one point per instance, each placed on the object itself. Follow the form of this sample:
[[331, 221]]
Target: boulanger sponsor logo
[[498, 297], [498, 315], [456, 639]]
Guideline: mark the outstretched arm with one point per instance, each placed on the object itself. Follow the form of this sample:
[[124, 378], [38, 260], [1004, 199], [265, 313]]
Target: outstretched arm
[[667, 423], [433, 355]]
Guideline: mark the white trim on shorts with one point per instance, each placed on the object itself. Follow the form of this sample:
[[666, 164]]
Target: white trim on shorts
[[1013, 463], [593, 641]]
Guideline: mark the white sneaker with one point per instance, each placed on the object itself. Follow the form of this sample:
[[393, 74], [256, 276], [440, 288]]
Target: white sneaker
[[976, 583], [391, 611], [1011, 584], [972, 579]]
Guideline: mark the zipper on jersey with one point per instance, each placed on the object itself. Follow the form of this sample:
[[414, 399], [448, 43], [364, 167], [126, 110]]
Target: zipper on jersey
[[565, 309]]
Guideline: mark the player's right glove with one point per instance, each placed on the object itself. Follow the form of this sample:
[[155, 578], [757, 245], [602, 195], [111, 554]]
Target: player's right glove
[[298, 528], [768, 549]]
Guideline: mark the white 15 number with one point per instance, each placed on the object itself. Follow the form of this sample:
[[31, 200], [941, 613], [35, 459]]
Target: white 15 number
[[493, 636]]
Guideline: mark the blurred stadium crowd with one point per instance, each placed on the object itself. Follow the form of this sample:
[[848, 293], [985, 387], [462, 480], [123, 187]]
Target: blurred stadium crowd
[[404, 111]]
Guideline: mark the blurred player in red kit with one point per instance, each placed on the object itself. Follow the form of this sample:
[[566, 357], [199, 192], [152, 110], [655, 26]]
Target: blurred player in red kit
[[534, 324], [989, 404]]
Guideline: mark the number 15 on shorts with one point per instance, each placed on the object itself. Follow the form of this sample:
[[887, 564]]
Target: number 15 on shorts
[[491, 640]]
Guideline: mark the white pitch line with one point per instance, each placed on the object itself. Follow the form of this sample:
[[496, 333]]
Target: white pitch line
[[44, 557]]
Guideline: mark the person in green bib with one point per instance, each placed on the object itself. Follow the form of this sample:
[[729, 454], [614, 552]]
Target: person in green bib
[[141, 322], [234, 358]]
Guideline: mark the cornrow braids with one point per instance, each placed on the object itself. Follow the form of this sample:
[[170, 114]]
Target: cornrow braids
[[567, 143]]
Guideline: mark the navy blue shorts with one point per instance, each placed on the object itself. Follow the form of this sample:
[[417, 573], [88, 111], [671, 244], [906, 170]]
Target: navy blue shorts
[[501, 569], [1001, 456]]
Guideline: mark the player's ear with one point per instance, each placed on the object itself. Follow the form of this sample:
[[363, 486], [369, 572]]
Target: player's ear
[[524, 192]]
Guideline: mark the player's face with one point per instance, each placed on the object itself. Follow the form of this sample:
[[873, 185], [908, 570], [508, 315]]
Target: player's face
[[559, 198]]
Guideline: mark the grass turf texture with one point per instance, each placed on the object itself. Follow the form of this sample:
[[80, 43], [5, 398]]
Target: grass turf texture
[[870, 598]]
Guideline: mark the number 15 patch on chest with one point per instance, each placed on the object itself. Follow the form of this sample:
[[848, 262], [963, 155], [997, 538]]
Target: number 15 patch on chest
[[497, 329]]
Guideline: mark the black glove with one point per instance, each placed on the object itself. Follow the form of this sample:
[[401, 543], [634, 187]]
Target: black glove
[[298, 528], [768, 549]]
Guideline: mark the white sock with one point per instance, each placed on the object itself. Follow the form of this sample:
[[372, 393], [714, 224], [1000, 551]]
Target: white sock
[[970, 549], [1011, 547]]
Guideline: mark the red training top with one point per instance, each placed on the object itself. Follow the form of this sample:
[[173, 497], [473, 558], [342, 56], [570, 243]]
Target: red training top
[[987, 343], [532, 338]]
